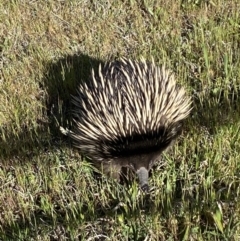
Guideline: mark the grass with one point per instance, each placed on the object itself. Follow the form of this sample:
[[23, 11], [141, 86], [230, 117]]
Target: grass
[[48, 191]]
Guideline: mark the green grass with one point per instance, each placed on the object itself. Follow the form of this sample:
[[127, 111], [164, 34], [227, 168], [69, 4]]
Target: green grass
[[47, 190]]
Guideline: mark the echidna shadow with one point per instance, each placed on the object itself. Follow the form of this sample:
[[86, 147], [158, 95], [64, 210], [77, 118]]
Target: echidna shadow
[[127, 115]]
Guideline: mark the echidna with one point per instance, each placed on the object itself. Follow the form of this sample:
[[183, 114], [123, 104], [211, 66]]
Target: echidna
[[127, 114]]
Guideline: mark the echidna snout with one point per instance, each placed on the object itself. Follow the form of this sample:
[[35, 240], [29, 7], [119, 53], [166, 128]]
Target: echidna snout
[[142, 173], [127, 114]]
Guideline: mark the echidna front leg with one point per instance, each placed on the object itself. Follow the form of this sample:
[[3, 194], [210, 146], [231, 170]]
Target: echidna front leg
[[142, 173]]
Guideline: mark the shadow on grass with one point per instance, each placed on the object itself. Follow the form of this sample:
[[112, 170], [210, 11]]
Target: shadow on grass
[[60, 81]]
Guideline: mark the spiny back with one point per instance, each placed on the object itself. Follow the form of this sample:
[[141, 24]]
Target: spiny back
[[128, 108]]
